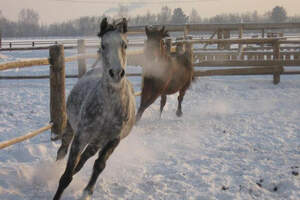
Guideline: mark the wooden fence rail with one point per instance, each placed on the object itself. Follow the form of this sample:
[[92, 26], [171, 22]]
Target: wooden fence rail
[[45, 61], [25, 137]]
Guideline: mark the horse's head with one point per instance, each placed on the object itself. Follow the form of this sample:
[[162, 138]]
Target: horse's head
[[154, 45], [113, 49]]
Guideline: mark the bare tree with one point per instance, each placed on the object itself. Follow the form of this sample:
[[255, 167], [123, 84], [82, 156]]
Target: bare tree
[[278, 14], [28, 22], [195, 17], [28, 16], [123, 11], [179, 17], [164, 16]]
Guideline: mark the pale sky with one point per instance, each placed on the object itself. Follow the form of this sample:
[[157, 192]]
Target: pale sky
[[62, 10]]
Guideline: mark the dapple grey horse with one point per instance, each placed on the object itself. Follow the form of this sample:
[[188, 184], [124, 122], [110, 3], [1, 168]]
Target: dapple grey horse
[[100, 108]]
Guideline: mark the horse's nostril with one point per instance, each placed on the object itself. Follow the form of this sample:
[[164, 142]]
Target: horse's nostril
[[122, 73], [111, 73]]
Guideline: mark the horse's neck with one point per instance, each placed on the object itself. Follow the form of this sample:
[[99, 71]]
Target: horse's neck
[[165, 57]]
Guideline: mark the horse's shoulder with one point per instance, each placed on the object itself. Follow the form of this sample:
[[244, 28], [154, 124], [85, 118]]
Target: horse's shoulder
[[92, 106]]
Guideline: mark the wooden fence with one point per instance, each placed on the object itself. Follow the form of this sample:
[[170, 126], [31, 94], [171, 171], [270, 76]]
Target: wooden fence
[[271, 55], [281, 53], [45, 44], [221, 31]]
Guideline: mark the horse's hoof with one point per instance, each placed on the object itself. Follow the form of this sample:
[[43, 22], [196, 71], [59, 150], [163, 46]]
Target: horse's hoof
[[54, 137], [178, 113], [86, 195], [61, 153], [137, 119]]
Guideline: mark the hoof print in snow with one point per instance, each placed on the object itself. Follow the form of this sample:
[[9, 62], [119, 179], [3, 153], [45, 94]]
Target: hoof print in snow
[[225, 188], [224, 131], [259, 183], [275, 189], [295, 173]]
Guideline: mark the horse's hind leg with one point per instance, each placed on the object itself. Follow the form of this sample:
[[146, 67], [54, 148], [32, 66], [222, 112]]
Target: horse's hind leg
[[144, 106], [65, 142], [67, 177], [99, 166], [163, 100], [180, 99]]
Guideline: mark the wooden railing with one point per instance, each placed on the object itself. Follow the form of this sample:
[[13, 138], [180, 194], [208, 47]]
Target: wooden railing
[[220, 30], [269, 57]]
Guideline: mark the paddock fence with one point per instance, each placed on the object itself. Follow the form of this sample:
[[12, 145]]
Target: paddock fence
[[235, 56], [221, 31]]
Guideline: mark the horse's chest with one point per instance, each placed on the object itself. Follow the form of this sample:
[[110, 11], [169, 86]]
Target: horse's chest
[[116, 109]]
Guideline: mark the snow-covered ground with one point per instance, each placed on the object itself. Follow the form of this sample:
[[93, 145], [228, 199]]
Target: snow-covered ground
[[239, 138]]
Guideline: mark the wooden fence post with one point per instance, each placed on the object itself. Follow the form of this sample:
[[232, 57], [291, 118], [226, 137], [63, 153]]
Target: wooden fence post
[[189, 50], [241, 31], [58, 113], [169, 45], [179, 48], [186, 30], [276, 56], [226, 35], [220, 36], [0, 39], [81, 61]]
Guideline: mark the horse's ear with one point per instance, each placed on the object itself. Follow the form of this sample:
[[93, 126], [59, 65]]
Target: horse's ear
[[121, 26], [147, 30], [162, 30], [124, 25], [103, 27], [166, 34]]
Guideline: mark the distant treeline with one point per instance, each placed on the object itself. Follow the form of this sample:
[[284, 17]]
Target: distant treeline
[[28, 21]]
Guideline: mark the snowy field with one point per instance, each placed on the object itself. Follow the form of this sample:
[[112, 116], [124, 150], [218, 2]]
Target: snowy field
[[239, 138]]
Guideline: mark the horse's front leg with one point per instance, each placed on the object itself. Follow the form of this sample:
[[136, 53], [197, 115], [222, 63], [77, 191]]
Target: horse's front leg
[[99, 166], [163, 100], [180, 99], [67, 177]]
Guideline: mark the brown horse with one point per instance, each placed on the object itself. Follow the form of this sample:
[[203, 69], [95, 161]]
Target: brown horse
[[163, 74]]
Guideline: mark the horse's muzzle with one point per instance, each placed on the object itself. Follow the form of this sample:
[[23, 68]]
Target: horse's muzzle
[[116, 75]]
